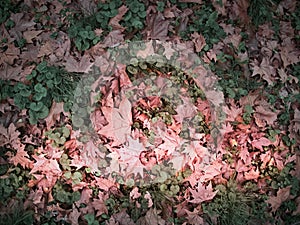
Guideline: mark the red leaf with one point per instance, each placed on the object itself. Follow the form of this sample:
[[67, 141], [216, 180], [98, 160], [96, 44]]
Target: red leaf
[[21, 158], [202, 193], [119, 122], [252, 174], [130, 157], [259, 143]]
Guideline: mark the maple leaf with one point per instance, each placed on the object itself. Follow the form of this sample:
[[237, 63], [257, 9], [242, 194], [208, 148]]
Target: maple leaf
[[8, 72], [202, 193], [252, 174], [282, 195], [82, 66], [259, 143], [99, 204], [152, 217], [113, 39], [169, 50], [265, 70], [148, 51], [74, 215], [264, 112], [123, 218], [9, 136], [119, 122], [10, 55], [54, 114], [158, 26], [193, 217], [130, 157], [31, 34], [114, 22], [90, 156]]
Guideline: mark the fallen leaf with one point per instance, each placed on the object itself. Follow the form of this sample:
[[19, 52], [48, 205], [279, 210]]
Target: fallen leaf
[[8, 72], [259, 143], [29, 35], [115, 21], [114, 38], [54, 114], [82, 66], [252, 174], [157, 25], [22, 158], [282, 195], [199, 41], [202, 193], [130, 157], [152, 217], [119, 122], [194, 217]]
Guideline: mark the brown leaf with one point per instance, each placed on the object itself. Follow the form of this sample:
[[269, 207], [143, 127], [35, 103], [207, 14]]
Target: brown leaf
[[123, 218], [194, 217], [265, 113], [152, 217], [283, 194], [130, 157], [8, 72], [21, 158], [265, 69], [158, 26], [113, 39], [10, 55], [54, 114], [148, 51], [31, 34], [114, 22], [252, 174], [198, 40], [191, 1], [82, 66]]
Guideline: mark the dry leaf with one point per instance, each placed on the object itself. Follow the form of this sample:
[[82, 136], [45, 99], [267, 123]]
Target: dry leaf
[[283, 194], [119, 122]]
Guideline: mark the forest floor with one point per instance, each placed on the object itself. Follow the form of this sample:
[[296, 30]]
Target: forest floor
[[149, 112]]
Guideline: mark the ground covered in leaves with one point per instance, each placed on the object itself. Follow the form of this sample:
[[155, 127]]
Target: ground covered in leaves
[[149, 112]]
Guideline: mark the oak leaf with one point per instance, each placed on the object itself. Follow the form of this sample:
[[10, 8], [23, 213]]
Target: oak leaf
[[21, 158]]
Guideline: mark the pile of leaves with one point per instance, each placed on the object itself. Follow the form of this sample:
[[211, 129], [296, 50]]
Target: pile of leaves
[[149, 112]]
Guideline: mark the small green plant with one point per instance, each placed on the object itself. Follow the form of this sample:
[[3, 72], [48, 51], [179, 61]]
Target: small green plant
[[232, 206], [58, 136], [205, 21], [17, 215], [261, 11], [43, 85], [6, 8], [64, 195]]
